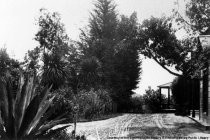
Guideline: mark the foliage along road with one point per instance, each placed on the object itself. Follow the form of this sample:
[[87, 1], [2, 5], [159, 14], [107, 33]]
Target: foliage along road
[[142, 126]]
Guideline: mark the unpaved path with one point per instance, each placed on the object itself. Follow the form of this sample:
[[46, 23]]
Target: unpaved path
[[142, 126]]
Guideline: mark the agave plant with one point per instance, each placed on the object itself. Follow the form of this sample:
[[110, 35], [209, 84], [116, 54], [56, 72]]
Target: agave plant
[[25, 115]]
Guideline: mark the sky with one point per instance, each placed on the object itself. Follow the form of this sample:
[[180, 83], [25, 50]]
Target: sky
[[18, 27]]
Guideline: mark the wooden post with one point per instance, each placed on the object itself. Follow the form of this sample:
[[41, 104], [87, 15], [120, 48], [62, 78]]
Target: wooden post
[[201, 97], [168, 98], [208, 73], [160, 99], [193, 94], [75, 125]]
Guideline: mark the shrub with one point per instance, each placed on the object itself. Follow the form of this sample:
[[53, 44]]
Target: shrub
[[25, 115], [152, 100], [91, 103], [63, 135], [63, 99], [136, 104], [94, 103]]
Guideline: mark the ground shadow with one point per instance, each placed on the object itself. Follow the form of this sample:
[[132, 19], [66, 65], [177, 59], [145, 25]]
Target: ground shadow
[[179, 131]]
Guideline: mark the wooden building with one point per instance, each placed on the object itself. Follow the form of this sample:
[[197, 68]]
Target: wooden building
[[204, 110]]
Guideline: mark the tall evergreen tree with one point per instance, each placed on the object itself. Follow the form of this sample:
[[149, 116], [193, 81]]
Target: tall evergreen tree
[[103, 20], [101, 37], [112, 41], [126, 60]]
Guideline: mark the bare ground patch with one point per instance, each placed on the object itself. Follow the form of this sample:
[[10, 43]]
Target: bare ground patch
[[141, 126]]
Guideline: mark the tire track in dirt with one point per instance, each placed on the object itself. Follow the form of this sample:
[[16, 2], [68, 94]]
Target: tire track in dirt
[[164, 128], [140, 126], [124, 130], [153, 123], [121, 129]]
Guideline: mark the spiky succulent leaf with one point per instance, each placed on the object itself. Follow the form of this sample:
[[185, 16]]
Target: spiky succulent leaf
[[43, 120], [20, 105], [20, 85], [11, 119], [29, 91], [4, 102], [31, 112], [42, 109], [43, 95], [52, 132], [50, 125], [2, 130]]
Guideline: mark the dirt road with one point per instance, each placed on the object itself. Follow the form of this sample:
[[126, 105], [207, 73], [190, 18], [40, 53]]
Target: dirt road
[[142, 126]]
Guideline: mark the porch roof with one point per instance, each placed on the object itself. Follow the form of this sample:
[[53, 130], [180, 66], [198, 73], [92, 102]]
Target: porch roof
[[167, 85]]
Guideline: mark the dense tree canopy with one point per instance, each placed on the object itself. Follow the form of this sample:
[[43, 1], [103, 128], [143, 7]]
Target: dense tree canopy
[[196, 17], [7, 64], [4, 64], [10, 68], [51, 34], [158, 40], [54, 44], [126, 63], [31, 60], [196, 22]]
